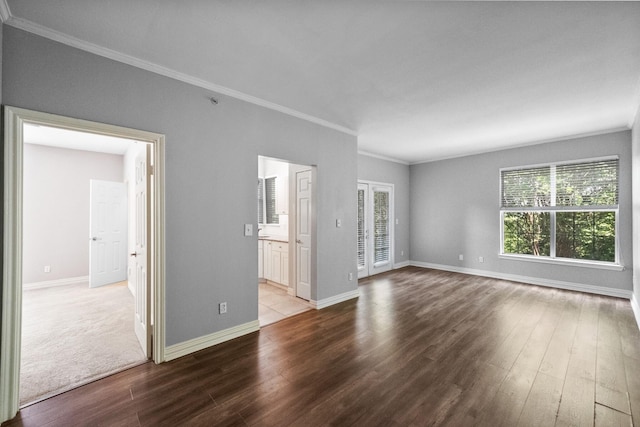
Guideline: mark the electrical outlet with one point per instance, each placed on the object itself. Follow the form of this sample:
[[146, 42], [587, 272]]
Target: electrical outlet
[[481, 259], [47, 269], [222, 307], [460, 257], [401, 253], [350, 276]]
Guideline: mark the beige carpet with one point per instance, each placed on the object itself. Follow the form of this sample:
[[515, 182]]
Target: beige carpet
[[72, 335]]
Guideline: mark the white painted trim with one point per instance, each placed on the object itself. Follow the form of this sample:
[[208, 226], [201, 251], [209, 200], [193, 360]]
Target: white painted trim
[[184, 348], [53, 283], [401, 264], [636, 309], [336, 299], [5, 12], [524, 144], [12, 268], [571, 286], [77, 43], [15, 118], [381, 157]]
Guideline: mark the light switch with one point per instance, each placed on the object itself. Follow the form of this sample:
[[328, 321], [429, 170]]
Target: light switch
[[248, 229], [338, 223]]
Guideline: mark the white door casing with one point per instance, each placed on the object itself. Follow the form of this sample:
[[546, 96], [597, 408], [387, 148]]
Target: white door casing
[[10, 335], [108, 232], [303, 234], [375, 228], [141, 255]]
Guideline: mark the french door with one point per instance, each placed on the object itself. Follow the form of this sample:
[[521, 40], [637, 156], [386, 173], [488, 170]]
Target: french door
[[375, 231]]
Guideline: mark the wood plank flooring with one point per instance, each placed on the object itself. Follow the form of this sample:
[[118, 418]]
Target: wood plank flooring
[[419, 347]]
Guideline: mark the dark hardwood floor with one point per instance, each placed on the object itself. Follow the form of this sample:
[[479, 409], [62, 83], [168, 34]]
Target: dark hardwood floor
[[419, 347]]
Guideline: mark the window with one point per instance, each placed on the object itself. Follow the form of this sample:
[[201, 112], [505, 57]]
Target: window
[[270, 200], [260, 200], [561, 211]]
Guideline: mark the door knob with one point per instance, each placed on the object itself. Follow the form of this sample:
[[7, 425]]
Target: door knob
[[299, 241], [95, 239], [134, 254]]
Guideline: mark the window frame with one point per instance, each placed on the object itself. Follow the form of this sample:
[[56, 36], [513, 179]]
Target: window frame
[[553, 210], [275, 200]]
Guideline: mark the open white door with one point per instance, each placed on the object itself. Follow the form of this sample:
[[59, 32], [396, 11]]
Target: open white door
[[108, 228], [303, 234], [141, 254], [375, 231]]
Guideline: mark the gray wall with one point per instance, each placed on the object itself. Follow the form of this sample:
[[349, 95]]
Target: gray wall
[[455, 210], [374, 169], [636, 206], [56, 209], [212, 159]]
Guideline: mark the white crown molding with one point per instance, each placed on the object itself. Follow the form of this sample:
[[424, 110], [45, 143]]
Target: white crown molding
[[571, 286], [323, 303], [5, 12], [77, 43], [191, 346], [525, 144], [378, 156]]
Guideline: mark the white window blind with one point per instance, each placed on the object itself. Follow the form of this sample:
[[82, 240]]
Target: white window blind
[[260, 201], [270, 200], [381, 244], [361, 231], [592, 184], [526, 188]]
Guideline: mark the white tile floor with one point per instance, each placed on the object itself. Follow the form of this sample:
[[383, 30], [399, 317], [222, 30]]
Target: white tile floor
[[274, 304]]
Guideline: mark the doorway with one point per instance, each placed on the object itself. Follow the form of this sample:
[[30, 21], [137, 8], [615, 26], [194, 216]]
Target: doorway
[[77, 309], [375, 230], [285, 231], [15, 121]]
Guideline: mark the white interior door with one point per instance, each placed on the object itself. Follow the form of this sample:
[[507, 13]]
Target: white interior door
[[303, 234], [108, 228], [141, 254], [375, 231]]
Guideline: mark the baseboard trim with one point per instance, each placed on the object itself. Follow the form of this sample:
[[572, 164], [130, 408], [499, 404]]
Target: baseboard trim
[[401, 264], [53, 283], [571, 286], [636, 309], [336, 299], [184, 348]]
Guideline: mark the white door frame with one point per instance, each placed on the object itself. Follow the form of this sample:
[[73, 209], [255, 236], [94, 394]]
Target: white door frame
[[10, 342], [370, 266]]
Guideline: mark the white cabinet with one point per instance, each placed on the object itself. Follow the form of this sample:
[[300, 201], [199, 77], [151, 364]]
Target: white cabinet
[[282, 194], [260, 259], [276, 261]]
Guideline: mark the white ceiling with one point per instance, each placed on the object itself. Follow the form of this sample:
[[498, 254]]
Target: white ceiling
[[415, 80], [75, 140]]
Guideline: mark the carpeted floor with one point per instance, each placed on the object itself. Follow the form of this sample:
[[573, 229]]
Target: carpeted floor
[[72, 335]]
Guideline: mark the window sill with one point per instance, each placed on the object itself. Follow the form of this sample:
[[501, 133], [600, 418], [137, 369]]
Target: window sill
[[564, 261]]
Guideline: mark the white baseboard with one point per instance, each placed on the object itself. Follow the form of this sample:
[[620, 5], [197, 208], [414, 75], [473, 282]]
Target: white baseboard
[[58, 282], [636, 309], [401, 264], [182, 349], [318, 305], [591, 289]]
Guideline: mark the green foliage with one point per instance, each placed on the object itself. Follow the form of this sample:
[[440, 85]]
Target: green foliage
[[527, 233]]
